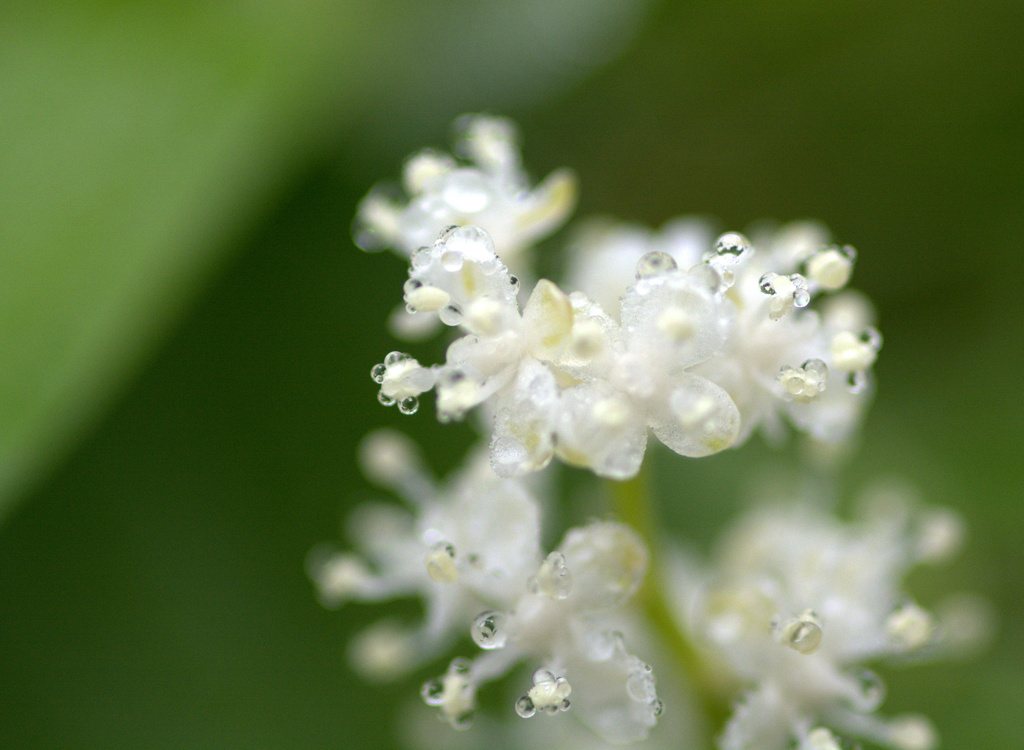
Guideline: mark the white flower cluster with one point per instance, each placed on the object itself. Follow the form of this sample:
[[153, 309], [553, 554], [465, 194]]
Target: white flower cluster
[[471, 552], [796, 602], [700, 340], [702, 350]]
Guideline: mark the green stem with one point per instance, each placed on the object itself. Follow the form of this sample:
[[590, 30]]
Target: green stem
[[634, 506]]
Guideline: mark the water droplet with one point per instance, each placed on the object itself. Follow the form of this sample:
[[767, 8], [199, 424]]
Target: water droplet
[[654, 263], [732, 244], [658, 707], [709, 276], [767, 283], [525, 707], [805, 637], [460, 665], [489, 630], [818, 370], [543, 675], [451, 260], [488, 265], [803, 384], [801, 298], [386, 400], [421, 258], [409, 405], [378, 372], [446, 234], [395, 358], [514, 281], [856, 381], [411, 285], [433, 692], [450, 315], [872, 337], [870, 690]]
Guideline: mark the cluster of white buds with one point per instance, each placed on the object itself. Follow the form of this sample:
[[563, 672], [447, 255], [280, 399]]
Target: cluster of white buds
[[471, 552], [797, 601]]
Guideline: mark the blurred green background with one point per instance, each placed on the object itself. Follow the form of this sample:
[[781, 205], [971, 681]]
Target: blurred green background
[[186, 330]]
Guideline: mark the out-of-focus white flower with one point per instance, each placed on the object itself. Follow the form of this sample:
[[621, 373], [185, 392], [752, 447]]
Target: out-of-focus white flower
[[470, 551], [563, 622], [459, 547], [797, 601], [488, 188]]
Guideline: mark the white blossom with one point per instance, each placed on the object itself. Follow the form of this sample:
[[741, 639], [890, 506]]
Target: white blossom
[[563, 377], [487, 188], [780, 359], [470, 550], [563, 622], [458, 547], [796, 602]]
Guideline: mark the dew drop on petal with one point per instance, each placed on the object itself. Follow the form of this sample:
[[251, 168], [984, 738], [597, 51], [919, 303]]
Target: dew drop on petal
[[446, 234], [421, 258], [409, 405], [433, 692], [871, 690], [378, 372], [872, 338], [394, 358], [857, 381], [732, 245], [767, 283], [490, 630], [654, 263], [525, 707], [451, 260], [803, 634], [385, 399], [450, 315]]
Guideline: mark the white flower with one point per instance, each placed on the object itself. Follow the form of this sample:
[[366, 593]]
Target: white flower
[[563, 377], [470, 551], [778, 358], [489, 189], [794, 605], [564, 623], [465, 545]]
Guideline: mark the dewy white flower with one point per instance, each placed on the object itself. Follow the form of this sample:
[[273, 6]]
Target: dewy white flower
[[797, 601], [563, 622], [488, 189], [779, 358], [565, 378], [471, 552], [471, 542]]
